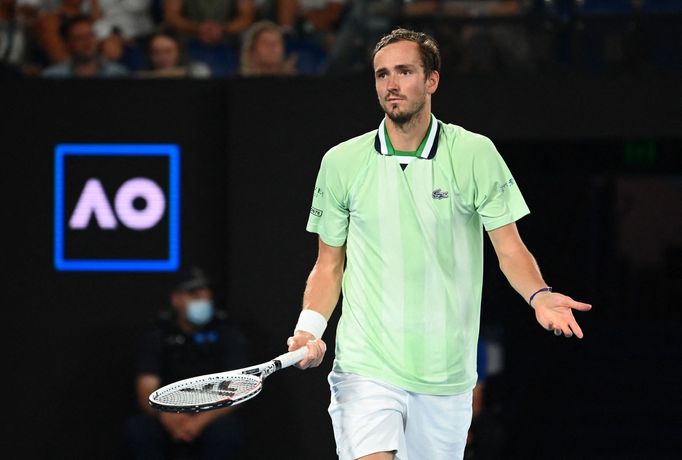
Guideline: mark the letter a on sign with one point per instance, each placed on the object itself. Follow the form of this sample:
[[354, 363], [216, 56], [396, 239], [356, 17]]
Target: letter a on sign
[[93, 202]]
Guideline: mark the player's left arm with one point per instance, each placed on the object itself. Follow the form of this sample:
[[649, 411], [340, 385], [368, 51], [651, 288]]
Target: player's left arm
[[554, 311]]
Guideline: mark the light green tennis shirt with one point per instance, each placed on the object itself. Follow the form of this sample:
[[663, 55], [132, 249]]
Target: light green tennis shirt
[[414, 252]]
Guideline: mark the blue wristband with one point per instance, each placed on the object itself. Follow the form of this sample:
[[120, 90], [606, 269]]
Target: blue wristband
[[544, 289]]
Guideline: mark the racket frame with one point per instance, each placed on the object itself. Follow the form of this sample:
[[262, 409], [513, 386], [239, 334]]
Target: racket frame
[[255, 373]]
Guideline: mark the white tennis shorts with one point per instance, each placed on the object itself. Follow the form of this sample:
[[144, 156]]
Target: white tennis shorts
[[370, 416]]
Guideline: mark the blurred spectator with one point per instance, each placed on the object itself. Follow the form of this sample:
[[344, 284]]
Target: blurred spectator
[[30, 9], [50, 22], [192, 338], [312, 19], [266, 10], [13, 39], [40, 5], [85, 60], [166, 58], [310, 29], [123, 25], [212, 28], [488, 39], [263, 53], [362, 25], [210, 21]]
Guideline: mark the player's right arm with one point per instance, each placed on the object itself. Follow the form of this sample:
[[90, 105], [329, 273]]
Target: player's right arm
[[321, 295]]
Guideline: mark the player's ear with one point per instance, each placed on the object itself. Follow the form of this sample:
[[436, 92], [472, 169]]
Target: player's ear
[[432, 81]]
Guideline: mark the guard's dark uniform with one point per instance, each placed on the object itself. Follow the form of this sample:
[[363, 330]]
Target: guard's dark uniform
[[164, 350]]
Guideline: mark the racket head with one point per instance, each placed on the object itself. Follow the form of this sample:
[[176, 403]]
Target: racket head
[[207, 392]]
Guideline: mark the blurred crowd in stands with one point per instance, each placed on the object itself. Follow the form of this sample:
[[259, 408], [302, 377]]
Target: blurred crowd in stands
[[223, 38]]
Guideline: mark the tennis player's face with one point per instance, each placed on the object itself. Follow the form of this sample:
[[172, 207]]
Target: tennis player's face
[[402, 87]]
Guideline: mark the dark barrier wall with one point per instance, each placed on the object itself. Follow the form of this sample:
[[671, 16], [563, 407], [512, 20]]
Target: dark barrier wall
[[597, 160]]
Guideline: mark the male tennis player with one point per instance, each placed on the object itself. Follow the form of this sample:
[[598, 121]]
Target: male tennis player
[[404, 207]]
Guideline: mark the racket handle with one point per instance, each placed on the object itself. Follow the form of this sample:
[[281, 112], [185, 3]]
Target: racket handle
[[291, 358]]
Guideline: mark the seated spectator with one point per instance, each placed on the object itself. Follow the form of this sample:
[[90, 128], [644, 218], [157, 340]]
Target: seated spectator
[[49, 25], [124, 24], [312, 19], [13, 46], [167, 58], [310, 28], [266, 10], [262, 52], [210, 21], [212, 29], [482, 47], [85, 60], [191, 337]]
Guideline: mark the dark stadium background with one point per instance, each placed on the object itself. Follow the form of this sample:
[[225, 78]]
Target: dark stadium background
[[597, 158]]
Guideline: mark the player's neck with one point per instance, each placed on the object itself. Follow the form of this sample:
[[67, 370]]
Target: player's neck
[[408, 136]]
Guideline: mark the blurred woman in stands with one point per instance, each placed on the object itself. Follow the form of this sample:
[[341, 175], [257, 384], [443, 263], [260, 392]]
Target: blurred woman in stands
[[167, 59], [263, 52]]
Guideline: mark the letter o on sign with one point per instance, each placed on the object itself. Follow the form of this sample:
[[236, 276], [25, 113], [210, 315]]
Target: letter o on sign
[[140, 219]]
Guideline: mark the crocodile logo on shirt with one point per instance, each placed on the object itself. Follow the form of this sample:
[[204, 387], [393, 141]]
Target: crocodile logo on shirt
[[439, 194]]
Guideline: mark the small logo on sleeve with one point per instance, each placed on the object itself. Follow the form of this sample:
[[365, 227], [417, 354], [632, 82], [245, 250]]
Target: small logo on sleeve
[[315, 212], [439, 194], [506, 185], [318, 192]]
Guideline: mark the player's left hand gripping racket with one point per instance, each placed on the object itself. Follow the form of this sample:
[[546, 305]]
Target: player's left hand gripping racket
[[223, 389]]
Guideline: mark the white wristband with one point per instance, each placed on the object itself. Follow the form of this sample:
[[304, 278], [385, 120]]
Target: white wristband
[[312, 322]]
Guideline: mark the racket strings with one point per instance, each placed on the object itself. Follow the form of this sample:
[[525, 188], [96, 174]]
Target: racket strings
[[209, 392]]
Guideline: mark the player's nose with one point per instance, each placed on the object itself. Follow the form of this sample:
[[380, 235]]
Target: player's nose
[[392, 83]]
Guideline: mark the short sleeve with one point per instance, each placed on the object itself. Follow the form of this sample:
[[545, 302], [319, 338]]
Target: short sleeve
[[329, 212], [498, 199]]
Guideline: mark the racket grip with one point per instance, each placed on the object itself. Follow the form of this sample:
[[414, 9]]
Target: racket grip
[[291, 358]]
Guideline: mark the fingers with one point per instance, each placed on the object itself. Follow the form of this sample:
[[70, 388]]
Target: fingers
[[555, 314], [316, 349], [576, 329], [560, 300], [568, 330], [298, 340], [580, 306], [558, 330]]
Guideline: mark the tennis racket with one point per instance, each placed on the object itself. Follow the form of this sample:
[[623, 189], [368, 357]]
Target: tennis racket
[[223, 389]]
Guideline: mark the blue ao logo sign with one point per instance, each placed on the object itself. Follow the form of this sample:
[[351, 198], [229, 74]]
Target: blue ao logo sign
[[116, 207]]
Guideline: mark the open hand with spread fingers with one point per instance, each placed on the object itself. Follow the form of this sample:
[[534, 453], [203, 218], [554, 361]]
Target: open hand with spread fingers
[[554, 312]]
